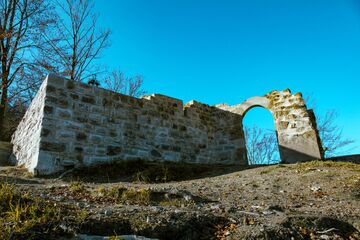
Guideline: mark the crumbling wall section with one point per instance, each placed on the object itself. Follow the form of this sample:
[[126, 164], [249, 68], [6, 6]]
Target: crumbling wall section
[[295, 125]]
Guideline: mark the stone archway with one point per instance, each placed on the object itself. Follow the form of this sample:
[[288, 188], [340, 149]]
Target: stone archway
[[250, 103], [295, 125], [261, 141]]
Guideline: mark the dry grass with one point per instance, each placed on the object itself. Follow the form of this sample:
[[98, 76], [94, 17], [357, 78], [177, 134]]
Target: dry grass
[[314, 165], [18, 171], [125, 195], [23, 216], [77, 187], [273, 168]]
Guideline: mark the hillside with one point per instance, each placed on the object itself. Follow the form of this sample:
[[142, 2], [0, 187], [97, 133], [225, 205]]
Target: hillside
[[313, 200]]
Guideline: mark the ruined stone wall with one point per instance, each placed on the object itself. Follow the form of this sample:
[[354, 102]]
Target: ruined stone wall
[[295, 125], [86, 125], [71, 124]]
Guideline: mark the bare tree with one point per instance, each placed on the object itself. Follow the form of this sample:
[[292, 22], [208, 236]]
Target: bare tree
[[21, 24], [80, 43], [261, 146], [118, 82], [333, 141], [331, 135]]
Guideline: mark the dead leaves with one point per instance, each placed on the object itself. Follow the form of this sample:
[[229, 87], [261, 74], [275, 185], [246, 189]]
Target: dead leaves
[[224, 231]]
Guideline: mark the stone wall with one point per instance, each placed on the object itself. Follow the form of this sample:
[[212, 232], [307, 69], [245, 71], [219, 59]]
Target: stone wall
[[86, 125]]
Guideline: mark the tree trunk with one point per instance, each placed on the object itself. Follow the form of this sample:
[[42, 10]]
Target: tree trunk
[[3, 106]]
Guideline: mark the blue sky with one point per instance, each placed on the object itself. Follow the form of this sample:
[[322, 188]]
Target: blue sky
[[227, 51]]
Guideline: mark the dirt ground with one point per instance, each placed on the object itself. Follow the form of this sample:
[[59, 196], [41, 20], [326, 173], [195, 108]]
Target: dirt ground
[[313, 200]]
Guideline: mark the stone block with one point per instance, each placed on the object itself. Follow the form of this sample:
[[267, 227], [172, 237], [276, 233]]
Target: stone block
[[48, 110], [81, 136], [68, 163], [113, 150], [45, 132], [65, 135], [50, 88], [72, 125], [155, 153], [88, 99], [93, 138], [64, 113], [100, 151], [52, 146]]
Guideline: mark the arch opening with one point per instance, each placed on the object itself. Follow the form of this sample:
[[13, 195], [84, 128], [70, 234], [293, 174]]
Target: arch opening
[[260, 136]]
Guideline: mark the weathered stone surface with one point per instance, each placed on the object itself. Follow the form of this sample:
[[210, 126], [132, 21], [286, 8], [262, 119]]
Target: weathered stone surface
[[295, 125], [26, 140], [73, 122]]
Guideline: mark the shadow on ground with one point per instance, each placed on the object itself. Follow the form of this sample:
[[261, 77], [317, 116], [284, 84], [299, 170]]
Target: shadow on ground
[[16, 175], [16, 180], [150, 172]]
